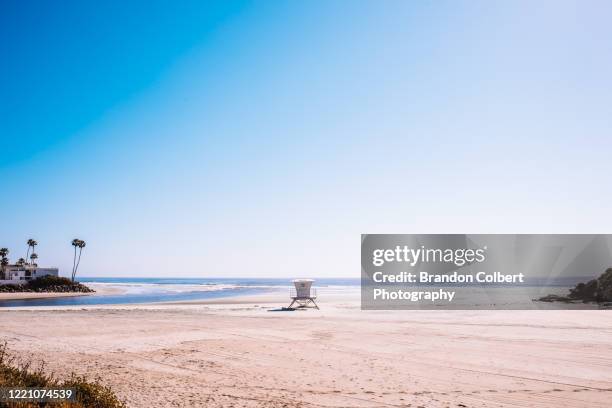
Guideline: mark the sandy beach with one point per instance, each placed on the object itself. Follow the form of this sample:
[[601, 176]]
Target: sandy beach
[[37, 295], [237, 353], [99, 290]]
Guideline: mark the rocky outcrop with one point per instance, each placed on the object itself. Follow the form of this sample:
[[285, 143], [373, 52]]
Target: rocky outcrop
[[596, 290], [555, 298], [604, 286], [585, 291], [47, 284]]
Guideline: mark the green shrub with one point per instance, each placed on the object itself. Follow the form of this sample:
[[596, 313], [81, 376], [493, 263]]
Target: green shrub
[[49, 280], [89, 394]]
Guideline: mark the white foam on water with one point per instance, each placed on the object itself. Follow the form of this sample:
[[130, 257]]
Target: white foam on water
[[160, 288]]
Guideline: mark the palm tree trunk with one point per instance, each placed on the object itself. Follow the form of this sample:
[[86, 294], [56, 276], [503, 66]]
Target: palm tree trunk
[[27, 253], [74, 263], [77, 264]]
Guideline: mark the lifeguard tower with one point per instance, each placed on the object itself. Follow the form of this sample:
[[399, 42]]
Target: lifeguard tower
[[303, 294]]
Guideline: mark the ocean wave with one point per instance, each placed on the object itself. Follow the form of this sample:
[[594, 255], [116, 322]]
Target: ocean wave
[[149, 287]]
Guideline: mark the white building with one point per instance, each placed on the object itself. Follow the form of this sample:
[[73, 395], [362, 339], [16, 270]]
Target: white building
[[20, 273]]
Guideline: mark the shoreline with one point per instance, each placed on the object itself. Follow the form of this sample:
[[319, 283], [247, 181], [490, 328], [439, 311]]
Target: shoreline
[[273, 298], [39, 295], [268, 299]]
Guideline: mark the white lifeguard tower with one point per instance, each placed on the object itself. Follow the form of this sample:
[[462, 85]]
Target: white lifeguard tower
[[303, 294]]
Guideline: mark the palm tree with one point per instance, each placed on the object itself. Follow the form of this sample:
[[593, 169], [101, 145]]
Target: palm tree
[[31, 244], [3, 264], [4, 261], [33, 257], [77, 243], [21, 261]]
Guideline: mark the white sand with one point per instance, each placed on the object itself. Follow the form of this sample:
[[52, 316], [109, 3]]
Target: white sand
[[38, 295], [100, 289], [235, 353]]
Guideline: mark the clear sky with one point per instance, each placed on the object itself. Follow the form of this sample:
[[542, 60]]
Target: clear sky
[[250, 139]]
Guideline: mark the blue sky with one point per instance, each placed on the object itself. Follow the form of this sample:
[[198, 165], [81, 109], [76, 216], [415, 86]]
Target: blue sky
[[262, 138]]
